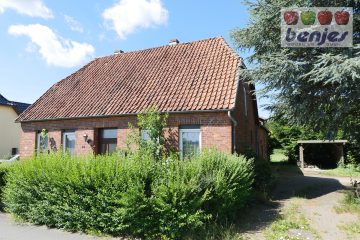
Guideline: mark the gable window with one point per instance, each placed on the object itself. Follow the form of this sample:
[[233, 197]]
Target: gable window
[[107, 140], [42, 142], [245, 102], [69, 142], [190, 141]]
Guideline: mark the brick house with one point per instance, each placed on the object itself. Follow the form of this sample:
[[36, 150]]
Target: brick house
[[197, 83]]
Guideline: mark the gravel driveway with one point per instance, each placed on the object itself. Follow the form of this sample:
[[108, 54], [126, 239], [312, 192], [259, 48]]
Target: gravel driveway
[[319, 195]]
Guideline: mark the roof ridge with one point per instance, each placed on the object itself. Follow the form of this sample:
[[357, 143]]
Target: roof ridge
[[165, 46]]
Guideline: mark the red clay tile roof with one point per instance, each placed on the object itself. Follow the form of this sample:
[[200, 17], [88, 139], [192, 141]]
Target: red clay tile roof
[[195, 76]]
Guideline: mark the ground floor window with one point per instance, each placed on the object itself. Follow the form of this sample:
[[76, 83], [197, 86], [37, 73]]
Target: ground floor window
[[42, 142], [107, 140], [190, 141], [145, 135], [69, 142]]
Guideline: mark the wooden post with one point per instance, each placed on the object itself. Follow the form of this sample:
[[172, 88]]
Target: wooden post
[[301, 155], [342, 160]]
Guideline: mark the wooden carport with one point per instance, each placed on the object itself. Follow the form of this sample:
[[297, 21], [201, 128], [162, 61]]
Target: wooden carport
[[303, 143]]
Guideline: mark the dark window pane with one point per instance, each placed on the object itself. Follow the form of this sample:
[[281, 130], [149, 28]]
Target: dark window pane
[[112, 148], [108, 133], [190, 143], [107, 141], [69, 142], [102, 148]]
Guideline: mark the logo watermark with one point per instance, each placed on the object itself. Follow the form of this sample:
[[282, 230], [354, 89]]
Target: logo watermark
[[317, 27]]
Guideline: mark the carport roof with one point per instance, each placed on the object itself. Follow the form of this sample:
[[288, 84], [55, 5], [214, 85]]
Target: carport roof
[[321, 141]]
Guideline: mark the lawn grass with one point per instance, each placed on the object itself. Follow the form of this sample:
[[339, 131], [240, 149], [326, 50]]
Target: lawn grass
[[278, 156], [290, 219], [349, 204], [280, 165], [342, 172], [351, 229]]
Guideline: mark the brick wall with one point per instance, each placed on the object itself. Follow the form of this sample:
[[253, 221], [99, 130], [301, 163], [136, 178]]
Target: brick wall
[[246, 129], [55, 140], [83, 147], [215, 131], [263, 144], [219, 137], [27, 143]]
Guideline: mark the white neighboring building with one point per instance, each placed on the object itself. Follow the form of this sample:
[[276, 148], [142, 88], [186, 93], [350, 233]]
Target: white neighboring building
[[9, 130]]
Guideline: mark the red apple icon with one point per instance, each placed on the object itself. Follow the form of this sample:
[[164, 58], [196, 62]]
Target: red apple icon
[[291, 17], [325, 17], [342, 17]]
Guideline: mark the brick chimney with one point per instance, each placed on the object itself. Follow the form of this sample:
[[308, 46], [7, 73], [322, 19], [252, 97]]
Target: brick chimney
[[118, 52], [173, 42]]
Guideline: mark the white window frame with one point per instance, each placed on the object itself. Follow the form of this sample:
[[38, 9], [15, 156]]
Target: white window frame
[[64, 138], [188, 130]]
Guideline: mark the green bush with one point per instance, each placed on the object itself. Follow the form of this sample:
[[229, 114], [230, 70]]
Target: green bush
[[263, 176], [133, 195], [264, 179], [4, 168]]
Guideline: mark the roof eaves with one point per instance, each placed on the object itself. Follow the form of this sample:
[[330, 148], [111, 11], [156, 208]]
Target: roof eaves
[[18, 120]]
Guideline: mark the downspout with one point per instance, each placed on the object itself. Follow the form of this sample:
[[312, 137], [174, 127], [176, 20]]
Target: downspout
[[234, 124]]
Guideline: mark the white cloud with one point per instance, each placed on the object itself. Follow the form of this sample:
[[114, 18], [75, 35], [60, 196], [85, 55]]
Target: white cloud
[[32, 8], [127, 16], [73, 24], [54, 49]]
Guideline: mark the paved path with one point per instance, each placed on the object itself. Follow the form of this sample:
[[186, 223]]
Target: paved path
[[9, 230]]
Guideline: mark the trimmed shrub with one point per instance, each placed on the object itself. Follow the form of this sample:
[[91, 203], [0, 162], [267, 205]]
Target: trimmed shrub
[[4, 168], [133, 195]]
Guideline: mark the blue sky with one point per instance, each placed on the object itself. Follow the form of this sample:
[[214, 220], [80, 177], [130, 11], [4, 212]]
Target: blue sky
[[43, 41]]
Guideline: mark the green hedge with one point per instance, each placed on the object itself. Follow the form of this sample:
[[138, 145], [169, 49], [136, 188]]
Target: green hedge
[[4, 168], [129, 196]]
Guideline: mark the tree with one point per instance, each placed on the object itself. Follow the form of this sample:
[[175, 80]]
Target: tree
[[287, 135], [152, 123], [313, 87]]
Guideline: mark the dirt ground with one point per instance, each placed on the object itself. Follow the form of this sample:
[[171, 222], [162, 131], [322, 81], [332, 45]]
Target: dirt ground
[[317, 197]]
